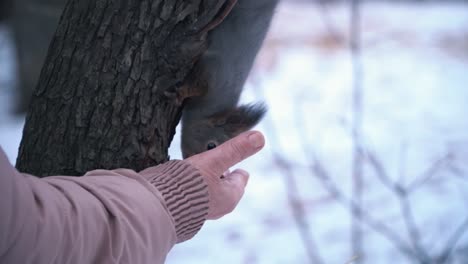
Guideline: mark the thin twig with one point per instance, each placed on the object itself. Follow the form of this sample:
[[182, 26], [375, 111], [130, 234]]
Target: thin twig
[[402, 163], [320, 172], [357, 211], [298, 208], [430, 172], [402, 194], [457, 172], [357, 110], [452, 241], [411, 226], [379, 169]]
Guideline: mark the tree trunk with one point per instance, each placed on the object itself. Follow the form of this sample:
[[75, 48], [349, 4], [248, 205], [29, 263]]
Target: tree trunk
[[100, 99]]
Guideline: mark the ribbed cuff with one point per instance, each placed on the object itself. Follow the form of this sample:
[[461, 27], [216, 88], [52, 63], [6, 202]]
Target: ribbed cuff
[[185, 193]]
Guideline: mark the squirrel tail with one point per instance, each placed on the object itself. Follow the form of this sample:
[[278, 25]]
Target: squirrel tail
[[239, 119]]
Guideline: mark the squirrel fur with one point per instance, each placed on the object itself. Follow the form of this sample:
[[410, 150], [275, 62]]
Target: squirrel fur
[[213, 117]]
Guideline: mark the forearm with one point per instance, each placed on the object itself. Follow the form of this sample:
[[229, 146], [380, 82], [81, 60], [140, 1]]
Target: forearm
[[105, 216]]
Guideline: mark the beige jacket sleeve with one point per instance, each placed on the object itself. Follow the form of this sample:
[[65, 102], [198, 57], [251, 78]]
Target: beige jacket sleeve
[[117, 216]]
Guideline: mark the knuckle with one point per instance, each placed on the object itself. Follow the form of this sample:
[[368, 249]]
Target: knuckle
[[237, 150]]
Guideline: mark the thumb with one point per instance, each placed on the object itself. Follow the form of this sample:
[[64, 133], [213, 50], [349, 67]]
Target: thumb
[[228, 154], [226, 193]]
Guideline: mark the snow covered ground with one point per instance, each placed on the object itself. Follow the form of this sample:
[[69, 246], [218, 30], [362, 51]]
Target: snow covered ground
[[415, 101]]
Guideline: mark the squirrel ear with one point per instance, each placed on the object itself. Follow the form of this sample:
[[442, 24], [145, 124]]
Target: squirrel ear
[[240, 119]]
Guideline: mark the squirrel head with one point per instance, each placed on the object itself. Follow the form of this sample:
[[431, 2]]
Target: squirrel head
[[208, 133]]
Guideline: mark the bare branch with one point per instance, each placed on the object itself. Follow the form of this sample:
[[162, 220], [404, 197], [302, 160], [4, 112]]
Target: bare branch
[[298, 209], [357, 110], [402, 194], [319, 171], [458, 172], [380, 170], [411, 226], [452, 241], [438, 165], [356, 210], [402, 163]]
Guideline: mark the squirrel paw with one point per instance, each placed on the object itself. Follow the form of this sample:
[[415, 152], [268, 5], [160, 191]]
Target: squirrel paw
[[180, 93], [175, 95], [224, 12]]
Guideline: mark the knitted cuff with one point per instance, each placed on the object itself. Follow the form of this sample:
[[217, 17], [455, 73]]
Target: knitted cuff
[[185, 193]]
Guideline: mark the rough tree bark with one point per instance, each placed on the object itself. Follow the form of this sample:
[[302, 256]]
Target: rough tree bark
[[100, 99]]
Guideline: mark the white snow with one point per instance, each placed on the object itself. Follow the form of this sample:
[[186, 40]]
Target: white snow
[[415, 59]]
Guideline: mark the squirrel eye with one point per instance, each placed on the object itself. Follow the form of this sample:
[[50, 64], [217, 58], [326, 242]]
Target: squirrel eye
[[210, 145]]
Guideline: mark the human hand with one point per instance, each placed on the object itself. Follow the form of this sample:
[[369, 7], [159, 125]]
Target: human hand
[[226, 188]]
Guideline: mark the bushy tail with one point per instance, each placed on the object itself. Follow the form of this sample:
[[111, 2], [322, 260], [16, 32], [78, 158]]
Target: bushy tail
[[242, 118]]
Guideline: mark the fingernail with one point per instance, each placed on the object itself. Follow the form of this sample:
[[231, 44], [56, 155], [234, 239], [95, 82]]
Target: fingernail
[[256, 140]]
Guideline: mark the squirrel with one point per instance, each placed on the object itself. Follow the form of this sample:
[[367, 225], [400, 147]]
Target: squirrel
[[218, 77]]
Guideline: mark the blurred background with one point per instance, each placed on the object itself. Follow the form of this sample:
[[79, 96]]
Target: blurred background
[[367, 132]]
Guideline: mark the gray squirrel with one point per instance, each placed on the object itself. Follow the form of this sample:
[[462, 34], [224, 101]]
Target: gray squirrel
[[219, 75]]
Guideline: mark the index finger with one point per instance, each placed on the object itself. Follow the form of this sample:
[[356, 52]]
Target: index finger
[[231, 152]]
